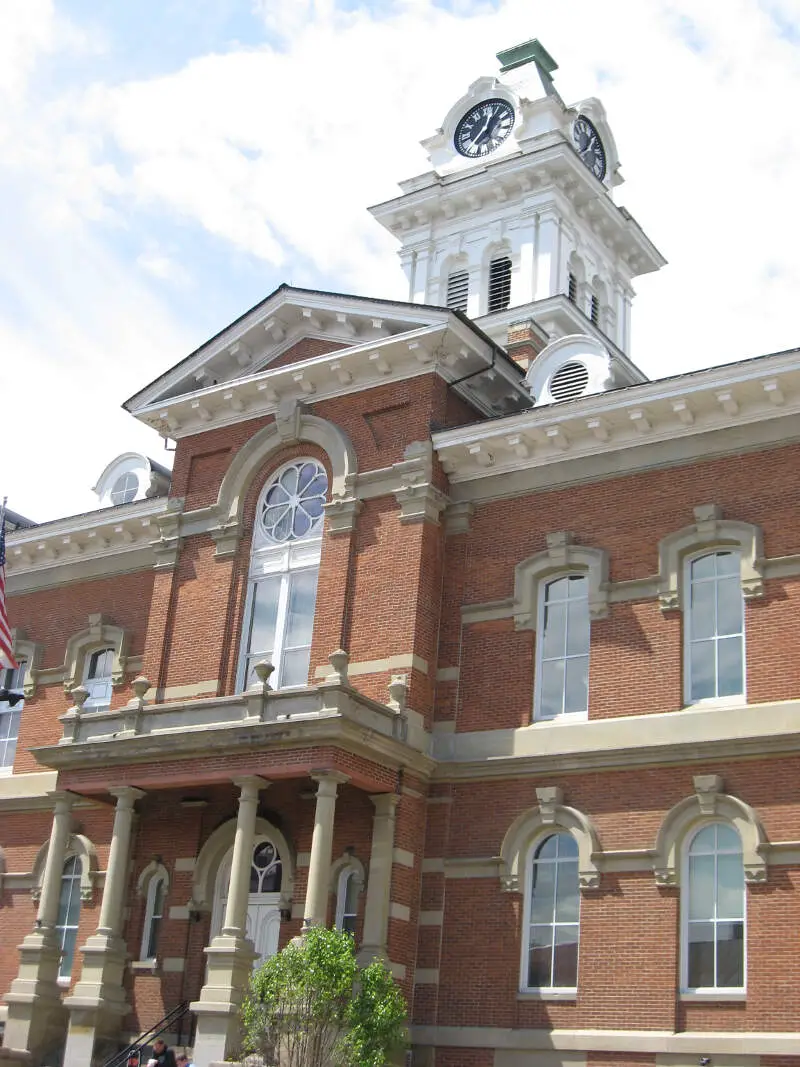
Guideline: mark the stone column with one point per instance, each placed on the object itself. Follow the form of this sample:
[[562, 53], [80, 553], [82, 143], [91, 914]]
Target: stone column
[[36, 1017], [379, 882], [319, 865], [98, 1003], [230, 955]]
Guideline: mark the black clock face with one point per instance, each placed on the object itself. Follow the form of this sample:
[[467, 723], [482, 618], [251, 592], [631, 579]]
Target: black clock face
[[589, 146], [484, 128]]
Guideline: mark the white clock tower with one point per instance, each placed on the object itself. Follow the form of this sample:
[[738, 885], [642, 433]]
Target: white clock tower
[[516, 219]]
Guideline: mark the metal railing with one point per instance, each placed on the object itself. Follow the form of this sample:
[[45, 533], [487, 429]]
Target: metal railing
[[133, 1051]]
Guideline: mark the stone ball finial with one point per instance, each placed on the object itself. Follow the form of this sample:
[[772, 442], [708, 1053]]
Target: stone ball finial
[[338, 661], [140, 686], [264, 671], [80, 694]]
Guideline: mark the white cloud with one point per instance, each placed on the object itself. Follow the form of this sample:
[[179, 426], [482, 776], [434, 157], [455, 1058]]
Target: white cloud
[[277, 149]]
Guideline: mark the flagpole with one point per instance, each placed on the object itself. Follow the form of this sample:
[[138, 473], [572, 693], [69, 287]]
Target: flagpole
[[3, 512]]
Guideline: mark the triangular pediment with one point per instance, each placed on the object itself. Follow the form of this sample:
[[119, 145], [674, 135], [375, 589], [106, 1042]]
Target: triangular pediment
[[290, 325]]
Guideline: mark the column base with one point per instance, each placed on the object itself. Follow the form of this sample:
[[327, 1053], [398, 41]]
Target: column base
[[36, 1021], [230, 965], [369, 953], [98, 1002]]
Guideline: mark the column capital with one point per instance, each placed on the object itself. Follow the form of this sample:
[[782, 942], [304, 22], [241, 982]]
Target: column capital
[[126, 795], [385, 804], [328, 782], [250, 786], [63, 801]]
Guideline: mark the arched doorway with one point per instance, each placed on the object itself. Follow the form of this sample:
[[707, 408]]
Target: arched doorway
[[263, 903]]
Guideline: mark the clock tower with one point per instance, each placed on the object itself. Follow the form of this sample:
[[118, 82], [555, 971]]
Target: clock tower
[[516, 222]]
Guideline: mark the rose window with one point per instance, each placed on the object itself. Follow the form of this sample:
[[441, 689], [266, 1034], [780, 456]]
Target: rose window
[[293, 504]]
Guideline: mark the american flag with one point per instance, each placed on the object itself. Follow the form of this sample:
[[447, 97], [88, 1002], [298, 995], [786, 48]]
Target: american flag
[[6, 655]]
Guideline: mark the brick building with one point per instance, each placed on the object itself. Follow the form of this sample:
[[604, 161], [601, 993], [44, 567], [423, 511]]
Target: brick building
[[450, 628]]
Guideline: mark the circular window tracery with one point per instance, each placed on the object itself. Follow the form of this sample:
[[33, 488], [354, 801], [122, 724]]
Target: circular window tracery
[[292, 507]]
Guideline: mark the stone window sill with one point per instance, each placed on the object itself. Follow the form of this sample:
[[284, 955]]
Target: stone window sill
[[549, 994], [144, 966], [714, 997]]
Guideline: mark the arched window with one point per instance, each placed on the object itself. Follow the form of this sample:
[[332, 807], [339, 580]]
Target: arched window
[[125, 488], [99, 666], [347, 900], [284, 566], [594, 309], [10, 714], [562, 648], [265, 869], [153, 915], [552, 914], [713, 910], [714, 627], [499, 284], [69, 910], [458, 290], [572, 287]]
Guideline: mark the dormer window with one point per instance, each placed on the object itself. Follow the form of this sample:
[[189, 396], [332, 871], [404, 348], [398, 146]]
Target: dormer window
[[458, 290], [125, 488], [499, 284]]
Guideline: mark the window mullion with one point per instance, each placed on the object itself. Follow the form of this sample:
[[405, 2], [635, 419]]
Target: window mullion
[[555, 912], [280, 624]]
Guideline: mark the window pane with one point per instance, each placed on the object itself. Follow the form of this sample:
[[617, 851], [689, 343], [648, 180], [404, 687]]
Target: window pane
[[701, 887], [702, 667], [706, 839], [703, 614], [300, 617], [731, 667], [568, 895], [727, 837], [349, 924], [728, 563], [295, 667], [69, 937], [351, 896], [701, 955], [577, 627], [704, 567], [264, 614], [729, 606], [152, 944], [540, 957], [565, 957], [554, 640], [551, 694], [730, 887], [730, 955], [549, 848], [577, 687], [542, 901]]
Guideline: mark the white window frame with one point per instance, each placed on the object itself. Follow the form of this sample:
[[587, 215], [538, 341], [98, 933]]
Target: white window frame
[[720, 701], [544, 585], [285, 560], [530, 859], [150, 916], [62, 927], [104, 681], [12, 679], [711, 991], [345, 875]]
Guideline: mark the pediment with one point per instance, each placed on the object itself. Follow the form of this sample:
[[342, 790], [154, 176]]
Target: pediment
[[290, 325]]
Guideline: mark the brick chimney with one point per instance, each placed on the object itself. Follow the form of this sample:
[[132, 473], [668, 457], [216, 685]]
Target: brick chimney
[[525, 341]]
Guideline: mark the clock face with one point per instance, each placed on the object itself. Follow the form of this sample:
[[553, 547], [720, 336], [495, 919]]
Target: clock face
[[589, 146], [484, 128]]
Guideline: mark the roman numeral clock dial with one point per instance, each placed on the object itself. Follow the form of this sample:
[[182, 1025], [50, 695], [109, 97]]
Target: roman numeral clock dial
[[589, 146], [484, 128]]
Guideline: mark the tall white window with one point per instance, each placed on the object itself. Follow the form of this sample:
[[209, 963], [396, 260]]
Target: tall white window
[[562, 648], [499, 284], [714, 911], [97, 680], [714, 628], [154, 913], [69, 910], [10, 715], [552, 914], [284, 566], [458, 290], [347, 900]]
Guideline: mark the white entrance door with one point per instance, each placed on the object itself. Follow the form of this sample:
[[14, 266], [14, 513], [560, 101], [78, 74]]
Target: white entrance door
[[263, 903]]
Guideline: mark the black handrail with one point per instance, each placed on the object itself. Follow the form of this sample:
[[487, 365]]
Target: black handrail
[[134, 1049]]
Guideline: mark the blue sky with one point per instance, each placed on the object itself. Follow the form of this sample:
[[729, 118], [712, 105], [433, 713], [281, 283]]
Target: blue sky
[[164, 165]]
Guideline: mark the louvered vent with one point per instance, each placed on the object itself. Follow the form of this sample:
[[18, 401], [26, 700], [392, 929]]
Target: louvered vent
[[499, 284], [458, 290], [569, 381]]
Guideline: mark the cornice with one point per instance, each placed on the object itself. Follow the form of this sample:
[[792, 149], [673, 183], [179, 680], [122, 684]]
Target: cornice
[[684, 408]]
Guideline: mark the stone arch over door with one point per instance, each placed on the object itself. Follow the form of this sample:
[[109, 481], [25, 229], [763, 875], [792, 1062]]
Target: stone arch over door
[[215, 851]]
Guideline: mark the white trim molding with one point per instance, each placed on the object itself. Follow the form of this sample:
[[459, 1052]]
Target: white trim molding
[[709, 531], [562, 555], [548, 817], [31, 652], [709, 802], [97, 635]]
